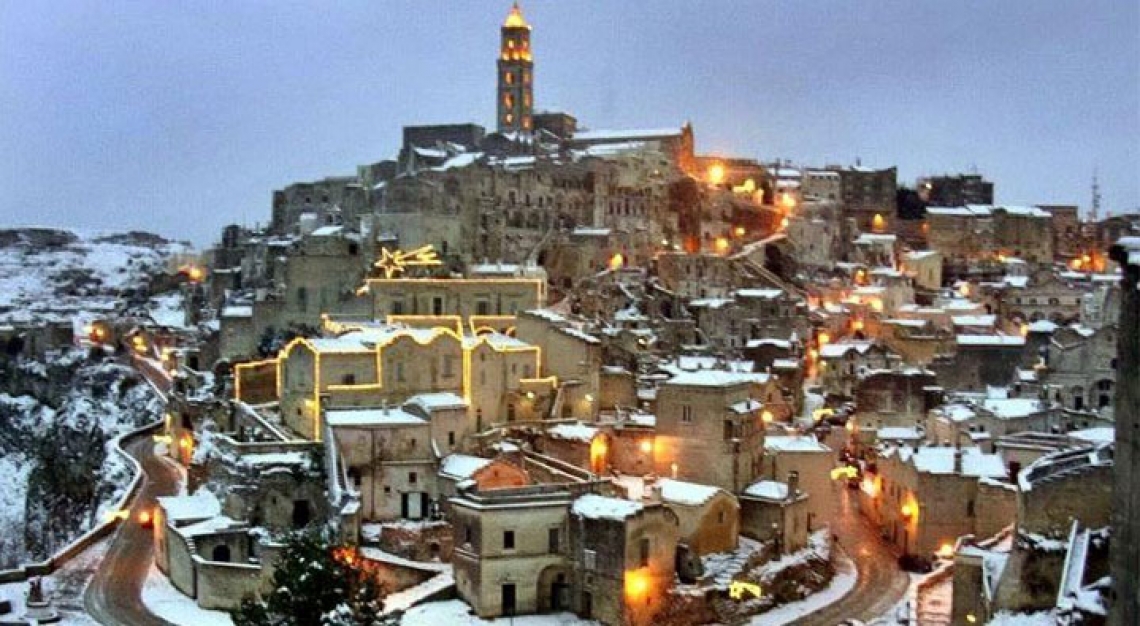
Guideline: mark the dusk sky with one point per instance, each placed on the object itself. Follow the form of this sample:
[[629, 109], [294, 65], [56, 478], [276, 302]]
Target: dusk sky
[[180, 117]]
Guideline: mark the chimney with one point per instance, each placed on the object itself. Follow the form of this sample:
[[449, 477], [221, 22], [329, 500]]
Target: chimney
[[793, 485]]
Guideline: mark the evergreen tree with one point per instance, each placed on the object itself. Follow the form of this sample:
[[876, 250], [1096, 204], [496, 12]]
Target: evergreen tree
[[316, 584]]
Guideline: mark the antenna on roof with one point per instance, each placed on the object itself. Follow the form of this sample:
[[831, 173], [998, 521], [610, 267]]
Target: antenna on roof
[[1094, 213]]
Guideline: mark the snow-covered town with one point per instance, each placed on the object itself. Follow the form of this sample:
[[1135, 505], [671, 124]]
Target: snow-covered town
[[537, 372]]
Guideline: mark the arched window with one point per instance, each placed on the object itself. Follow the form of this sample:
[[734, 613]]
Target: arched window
[[220, 553]]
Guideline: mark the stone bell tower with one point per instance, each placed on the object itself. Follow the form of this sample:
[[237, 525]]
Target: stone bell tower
[[516, 75]]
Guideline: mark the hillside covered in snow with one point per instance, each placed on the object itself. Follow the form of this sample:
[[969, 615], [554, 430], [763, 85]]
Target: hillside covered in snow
[[51, 274], [61, 408]]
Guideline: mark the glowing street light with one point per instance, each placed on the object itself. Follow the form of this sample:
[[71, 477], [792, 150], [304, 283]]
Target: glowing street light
[[716, 173]]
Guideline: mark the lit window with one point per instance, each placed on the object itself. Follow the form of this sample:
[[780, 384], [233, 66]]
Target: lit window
[[509, 78]]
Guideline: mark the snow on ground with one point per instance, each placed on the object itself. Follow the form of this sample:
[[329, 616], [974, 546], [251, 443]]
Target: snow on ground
[[64, 588], [457, 613], [1044, 618], [168, 310], [722, 567], [402, 600], [841, 584], [168, 603]]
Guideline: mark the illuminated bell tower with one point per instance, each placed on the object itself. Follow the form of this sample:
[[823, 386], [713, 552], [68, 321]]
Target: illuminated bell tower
[[516, 75]]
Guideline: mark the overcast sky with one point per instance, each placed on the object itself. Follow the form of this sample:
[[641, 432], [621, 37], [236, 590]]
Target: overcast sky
[[180, 117]]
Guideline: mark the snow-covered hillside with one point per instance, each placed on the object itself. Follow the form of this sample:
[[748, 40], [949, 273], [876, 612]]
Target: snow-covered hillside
[[60, 412], [53, 274]]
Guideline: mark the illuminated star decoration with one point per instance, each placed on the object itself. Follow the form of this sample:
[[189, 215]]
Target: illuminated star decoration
[[397, 262]]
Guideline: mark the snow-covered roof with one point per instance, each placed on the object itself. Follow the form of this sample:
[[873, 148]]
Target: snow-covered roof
[[236, 311], [794, 443], [768, 490], [769, 341], [686, 493], [991, 340], [974, 320], [585, 231], [1102, 434], [766, 294], [710, 303], [1042, 326], [201, 505], [593, 506], [379, 417], [957, 412], [1010, 408], [840, 349], [716, 378], [327, 231], [462, 466], [626, 135], [866, 239], [899, 433], [573, 432], [437, 401], [940, 460]]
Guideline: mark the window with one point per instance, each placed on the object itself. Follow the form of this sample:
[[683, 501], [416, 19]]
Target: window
[[969, 508], [397, 307], [590, 559], [400, 372], [686, 413], [437, 305], [644, 551], [508, 540], [552, 540], [482, 307], [349, 379], [448, 365], [412, 478], [467, 533], [729, 430]]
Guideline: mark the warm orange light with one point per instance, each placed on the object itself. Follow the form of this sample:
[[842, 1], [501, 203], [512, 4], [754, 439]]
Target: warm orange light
[[767, 417], [716, 173], [964, 289], [907, 511], [186, 442], [784, 224], [739, 231], [598, 450], [1024, 330], [636, 584], [1076, 264], [925, 228], [945, 551], [721, 245], [813, 354], [861, 276], [878, 222], [617, 261], [788, 200], [646, 446], [877, 305], [144, 517], [823, 338], [857, 324]]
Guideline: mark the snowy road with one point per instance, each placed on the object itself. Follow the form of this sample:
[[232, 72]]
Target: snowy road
[[114, 595], [881, 583]]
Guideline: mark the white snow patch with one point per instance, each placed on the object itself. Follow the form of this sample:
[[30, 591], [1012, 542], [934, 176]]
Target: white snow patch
[[168, 603]]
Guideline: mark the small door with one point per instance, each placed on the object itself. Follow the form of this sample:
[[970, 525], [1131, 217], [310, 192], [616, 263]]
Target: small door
[[425, 505], [587, 605], [404, 509], [508, 599]]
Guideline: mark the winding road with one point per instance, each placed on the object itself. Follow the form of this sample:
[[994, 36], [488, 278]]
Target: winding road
[[114, 596], [881, 583]]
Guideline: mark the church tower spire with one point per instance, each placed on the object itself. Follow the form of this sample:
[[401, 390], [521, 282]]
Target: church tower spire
[[516, 75]]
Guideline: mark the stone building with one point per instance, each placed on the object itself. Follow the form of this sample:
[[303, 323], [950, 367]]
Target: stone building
[[337, 200], [842, 363], [895, 397], [812, 462], [1081, 366], [624, 556], [710, 428], [972, 232], [923, 499], [959, 190], [868, 194], [776, 511]]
